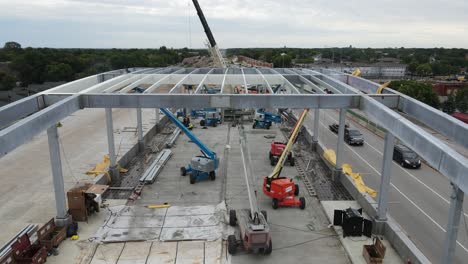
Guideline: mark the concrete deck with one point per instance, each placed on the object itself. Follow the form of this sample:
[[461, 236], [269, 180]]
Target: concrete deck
[[299, 236], [354, 245], [26, 192]]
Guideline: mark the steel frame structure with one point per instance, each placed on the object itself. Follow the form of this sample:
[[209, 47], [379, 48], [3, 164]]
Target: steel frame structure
[[303, 88]]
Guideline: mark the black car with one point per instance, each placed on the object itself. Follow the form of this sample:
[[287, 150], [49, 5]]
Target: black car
[[406, 157], [334, 127], [353, 137]]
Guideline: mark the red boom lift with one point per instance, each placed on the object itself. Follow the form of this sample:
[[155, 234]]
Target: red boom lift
[[282, 189]]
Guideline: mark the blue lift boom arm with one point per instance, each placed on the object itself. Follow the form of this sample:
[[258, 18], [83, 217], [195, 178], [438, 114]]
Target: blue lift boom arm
[[208, 152]]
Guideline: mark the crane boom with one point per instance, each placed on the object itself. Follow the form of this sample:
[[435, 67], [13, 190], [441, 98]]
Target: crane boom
[[206, 151], [248, 171], [207, 29], [213, 47], [297, 128]]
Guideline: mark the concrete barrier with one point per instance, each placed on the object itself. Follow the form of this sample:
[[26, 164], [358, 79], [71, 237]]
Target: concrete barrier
[[133, 152]]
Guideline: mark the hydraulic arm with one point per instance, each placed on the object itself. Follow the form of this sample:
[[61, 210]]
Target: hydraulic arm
[[200, 167], [282, 189], [214, 50], [254, 229]]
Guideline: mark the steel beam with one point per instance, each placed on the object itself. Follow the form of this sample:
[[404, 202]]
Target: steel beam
[[154, 86], [455, 211], [245, 81], [56, 167], [200, 85], [21, 108], [294, 101], [286, 81], [385, 177], [24, 130], [224, 80], [340, 143], [113, 170], [179, 83], [265, 81], [436, 153]]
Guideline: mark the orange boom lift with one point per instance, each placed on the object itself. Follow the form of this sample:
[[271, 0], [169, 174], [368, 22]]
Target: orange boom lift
[[282, 189]]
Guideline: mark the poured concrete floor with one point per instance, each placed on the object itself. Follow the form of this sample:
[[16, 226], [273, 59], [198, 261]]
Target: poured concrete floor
[[299, 236]]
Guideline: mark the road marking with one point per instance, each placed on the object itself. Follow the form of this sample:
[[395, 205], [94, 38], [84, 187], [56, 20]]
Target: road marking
[[406, 171], [406, 197]]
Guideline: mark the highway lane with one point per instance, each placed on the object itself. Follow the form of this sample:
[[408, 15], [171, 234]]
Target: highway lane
[[418, 198], [430, 178]]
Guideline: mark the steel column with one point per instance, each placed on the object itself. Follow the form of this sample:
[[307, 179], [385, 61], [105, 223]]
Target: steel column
[[56, 164], [156, 116], [340, 144], [385, 177], [141, 144], [316, 125], [456, 205], [113, 170]]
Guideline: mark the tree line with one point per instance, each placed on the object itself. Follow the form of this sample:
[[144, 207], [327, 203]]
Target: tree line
[[422, 62], [38, 65], [422, 91]]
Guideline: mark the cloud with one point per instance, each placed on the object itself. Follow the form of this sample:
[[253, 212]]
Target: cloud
[[235, 23]]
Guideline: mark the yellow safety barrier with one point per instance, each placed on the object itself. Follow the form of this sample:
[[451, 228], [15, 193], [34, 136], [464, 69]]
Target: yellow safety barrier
[[381, 87], [330, 155], [101, 168], [356, 72]]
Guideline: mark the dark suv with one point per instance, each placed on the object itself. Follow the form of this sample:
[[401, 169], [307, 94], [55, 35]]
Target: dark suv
[[334, 127], [406, 157], [353, 137]]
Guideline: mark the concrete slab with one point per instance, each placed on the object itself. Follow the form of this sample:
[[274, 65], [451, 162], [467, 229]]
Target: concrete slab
[[214, 252], [298, 236], [191, 252], [354, 245], [135, 253], [26, 192], [138, 223], [107, 253], [162, 252]]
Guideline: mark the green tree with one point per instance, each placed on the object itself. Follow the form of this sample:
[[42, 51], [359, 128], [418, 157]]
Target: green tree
[[461, 99], [418, 90], [449, 106], [424, 69], [31, 66], [7, 81], [284, 61], [11, 45], [412, 67], [59, 72]]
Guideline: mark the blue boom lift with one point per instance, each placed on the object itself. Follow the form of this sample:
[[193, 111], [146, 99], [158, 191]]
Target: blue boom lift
[[201, 167], [264, 119]]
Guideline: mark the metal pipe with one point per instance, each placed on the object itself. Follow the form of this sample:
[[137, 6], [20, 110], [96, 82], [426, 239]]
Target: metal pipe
[[385, 178], [339, 147], [56, 164], [456, 205]]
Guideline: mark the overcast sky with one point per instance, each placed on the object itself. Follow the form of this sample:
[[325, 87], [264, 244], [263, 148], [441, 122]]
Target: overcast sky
[[235, 23]]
